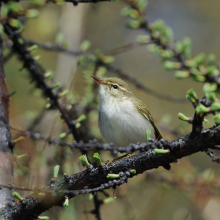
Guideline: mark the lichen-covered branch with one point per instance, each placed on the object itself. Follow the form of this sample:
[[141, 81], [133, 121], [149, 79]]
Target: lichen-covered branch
[[94, 178]]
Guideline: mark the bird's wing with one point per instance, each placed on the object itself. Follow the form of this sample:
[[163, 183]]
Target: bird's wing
[[142, 108]]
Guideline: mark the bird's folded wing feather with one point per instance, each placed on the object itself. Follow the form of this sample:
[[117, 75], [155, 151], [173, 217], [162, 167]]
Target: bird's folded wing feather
[[142, 108]]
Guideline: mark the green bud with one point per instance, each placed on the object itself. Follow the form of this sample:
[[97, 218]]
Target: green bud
[[126, 11], [105, 194], [186, 47], [21, 138], [167, 35], [134, 13], [48, 74], [216, 106], [199, 78], [211, 96], [91, 197], [206, 120], [182, 117], [101, 71], [148, 133], [48, 105], [81, 60], [97, 159], [81, 118], [170, 65], [199, 59], [15, 6], [43, 217], [13, 92], [161, 151], [191, 63], [33, 48], [179, 46], [209, 87], [21, 41], [15, 23], [142, 5], [32, 13], [65, 92], [191, 95], [133, 171], [59, 38], [84, 160], [78, 125], [107, 59], [211, 59], [143, 39], [201, 109], [112, 176], [37, 57], [4, 11], [134, 24], [17, 196], [21, 156], [37, 2], [56, 171], [182, 74], [108, 200], [217, 118], [66, 203], [158, 25], [57, 84], [195, 71], [167, 54], [85, 45], [212, 70]]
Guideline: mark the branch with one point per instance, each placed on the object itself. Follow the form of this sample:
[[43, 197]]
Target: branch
[[6, 158], [36, 74], [94, 178]]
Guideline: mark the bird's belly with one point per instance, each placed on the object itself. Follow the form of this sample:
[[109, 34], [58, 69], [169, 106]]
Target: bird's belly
[[123, 128]]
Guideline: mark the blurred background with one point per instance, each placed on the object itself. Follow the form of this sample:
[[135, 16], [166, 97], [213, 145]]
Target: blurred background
[[190, 190]]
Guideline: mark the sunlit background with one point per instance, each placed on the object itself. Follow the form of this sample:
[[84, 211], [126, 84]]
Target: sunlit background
[[188, 191]]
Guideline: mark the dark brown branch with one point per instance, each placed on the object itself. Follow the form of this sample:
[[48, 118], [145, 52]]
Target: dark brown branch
[[94, 178]]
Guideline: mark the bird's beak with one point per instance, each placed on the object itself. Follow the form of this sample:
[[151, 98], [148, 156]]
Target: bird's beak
[[98, 80]]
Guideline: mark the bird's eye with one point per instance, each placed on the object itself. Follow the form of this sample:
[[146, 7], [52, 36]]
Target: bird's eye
[[115, 86]]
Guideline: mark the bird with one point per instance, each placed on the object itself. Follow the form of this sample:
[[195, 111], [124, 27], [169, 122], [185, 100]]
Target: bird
[[123, 118]]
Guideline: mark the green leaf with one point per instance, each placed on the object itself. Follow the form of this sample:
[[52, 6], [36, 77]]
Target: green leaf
[[161, 151], [216, 106], [112, 176], [108, 200], [201, 109], [15, 23], [170, 65], [217, 118], [32, 13], [182, 117], [142, 39], [134, 24], [182, 74], [85, 45], [56, 171], [108, 59], [84, 160]]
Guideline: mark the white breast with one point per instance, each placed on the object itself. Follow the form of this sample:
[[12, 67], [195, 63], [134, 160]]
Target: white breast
[[121, 123]]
